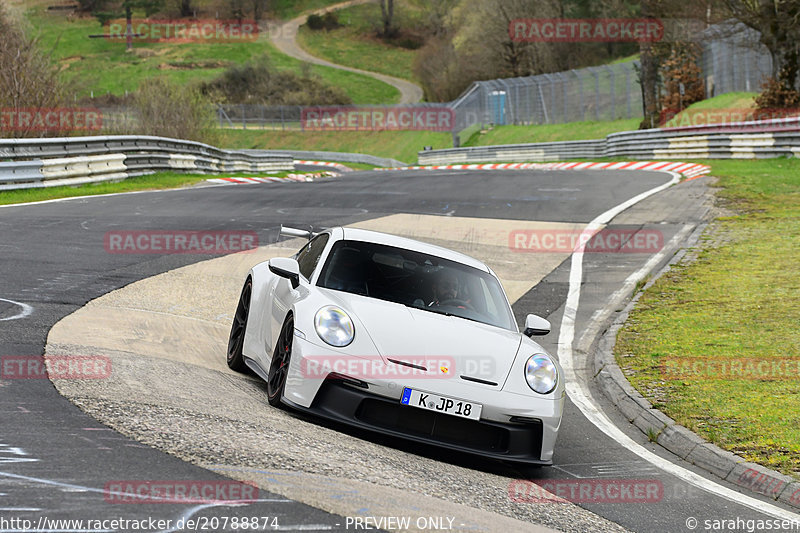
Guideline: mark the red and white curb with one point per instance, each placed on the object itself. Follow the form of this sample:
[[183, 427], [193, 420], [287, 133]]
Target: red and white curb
[[338, 166], [689, 170], [336, 169], [289, 177]]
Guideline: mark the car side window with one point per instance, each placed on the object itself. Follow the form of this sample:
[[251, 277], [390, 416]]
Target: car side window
[[309, 256]]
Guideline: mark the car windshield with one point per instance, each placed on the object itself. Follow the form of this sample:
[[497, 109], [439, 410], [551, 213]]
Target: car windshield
[[418, 280]]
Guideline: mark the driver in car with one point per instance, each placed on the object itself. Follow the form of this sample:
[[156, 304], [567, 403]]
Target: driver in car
[[446, 289]]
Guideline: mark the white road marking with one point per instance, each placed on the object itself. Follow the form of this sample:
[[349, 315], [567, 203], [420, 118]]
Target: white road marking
[[600, 315], [582, 398], [26, 310]]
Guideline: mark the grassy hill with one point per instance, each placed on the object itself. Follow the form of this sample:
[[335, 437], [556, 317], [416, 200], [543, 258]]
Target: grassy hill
[[355, 43], [288, 9], [102, 66]]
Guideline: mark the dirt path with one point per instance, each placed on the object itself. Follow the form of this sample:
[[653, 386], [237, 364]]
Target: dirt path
[[283, 37]]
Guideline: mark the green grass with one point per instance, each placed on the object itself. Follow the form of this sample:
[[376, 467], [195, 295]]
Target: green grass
[[289, 9], [634, 57], [103, 66], [355, 44], [575, 131], [739, 300], [730, 102], [572, 131], [157, 181], [400, 145], [726, 101], [729, 105]]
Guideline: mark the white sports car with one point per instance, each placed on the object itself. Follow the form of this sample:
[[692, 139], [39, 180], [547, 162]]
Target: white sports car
[[401, 337]]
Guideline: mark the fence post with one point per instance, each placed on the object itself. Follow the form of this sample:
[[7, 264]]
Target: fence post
[[596, 94], [580, 95], [612, 93], [507, 111], [541, 98], [628, 91]]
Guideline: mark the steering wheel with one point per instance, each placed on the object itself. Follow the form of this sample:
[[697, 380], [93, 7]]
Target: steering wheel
[[455, 302]]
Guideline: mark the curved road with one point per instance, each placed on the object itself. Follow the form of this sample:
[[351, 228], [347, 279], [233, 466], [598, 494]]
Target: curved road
[[284, 38], [56, 460]]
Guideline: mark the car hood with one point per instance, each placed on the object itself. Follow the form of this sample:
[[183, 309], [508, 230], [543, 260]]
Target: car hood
[[409, 335]]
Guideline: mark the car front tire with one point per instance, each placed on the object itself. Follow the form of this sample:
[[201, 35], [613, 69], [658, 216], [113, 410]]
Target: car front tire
[[236, 338], [279, 367]]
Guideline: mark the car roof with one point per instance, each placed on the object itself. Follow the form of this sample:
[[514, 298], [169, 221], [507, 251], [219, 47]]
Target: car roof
[[356, 234]]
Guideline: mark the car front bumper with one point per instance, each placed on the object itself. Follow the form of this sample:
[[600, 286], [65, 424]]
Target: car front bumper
[[513, 427]]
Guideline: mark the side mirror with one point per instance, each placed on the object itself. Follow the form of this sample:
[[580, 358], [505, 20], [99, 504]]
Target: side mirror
[[286, 267], [536, 325]]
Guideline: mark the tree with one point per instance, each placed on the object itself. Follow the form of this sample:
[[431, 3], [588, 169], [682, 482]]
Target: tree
[[648, 73], [778, 21], [112, 9], [171, 110], [437, 16], [653, 54], [483, 35], [258, 6], [683, 84], [387, 18], [28, 79]]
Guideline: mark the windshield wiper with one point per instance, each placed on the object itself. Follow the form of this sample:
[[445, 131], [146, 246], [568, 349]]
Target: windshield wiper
[[445, 313]]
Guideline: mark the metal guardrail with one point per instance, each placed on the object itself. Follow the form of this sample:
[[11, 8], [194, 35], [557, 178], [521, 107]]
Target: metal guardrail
[[75, 160], [742, 140], [67, 161], [27, 171], [339, 157], [551, 151]]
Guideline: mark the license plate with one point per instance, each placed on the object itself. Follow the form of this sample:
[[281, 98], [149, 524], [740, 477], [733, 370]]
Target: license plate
[[441, 404]]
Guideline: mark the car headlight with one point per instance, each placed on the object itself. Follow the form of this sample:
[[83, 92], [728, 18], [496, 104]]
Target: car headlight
[[541, 374], [334, 326]]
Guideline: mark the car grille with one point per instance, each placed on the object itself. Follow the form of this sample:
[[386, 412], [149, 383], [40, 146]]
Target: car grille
[[443, 428], [517, 440]]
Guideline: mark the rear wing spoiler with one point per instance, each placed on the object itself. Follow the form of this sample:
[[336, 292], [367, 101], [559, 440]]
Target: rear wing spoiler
[[294, 232]]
